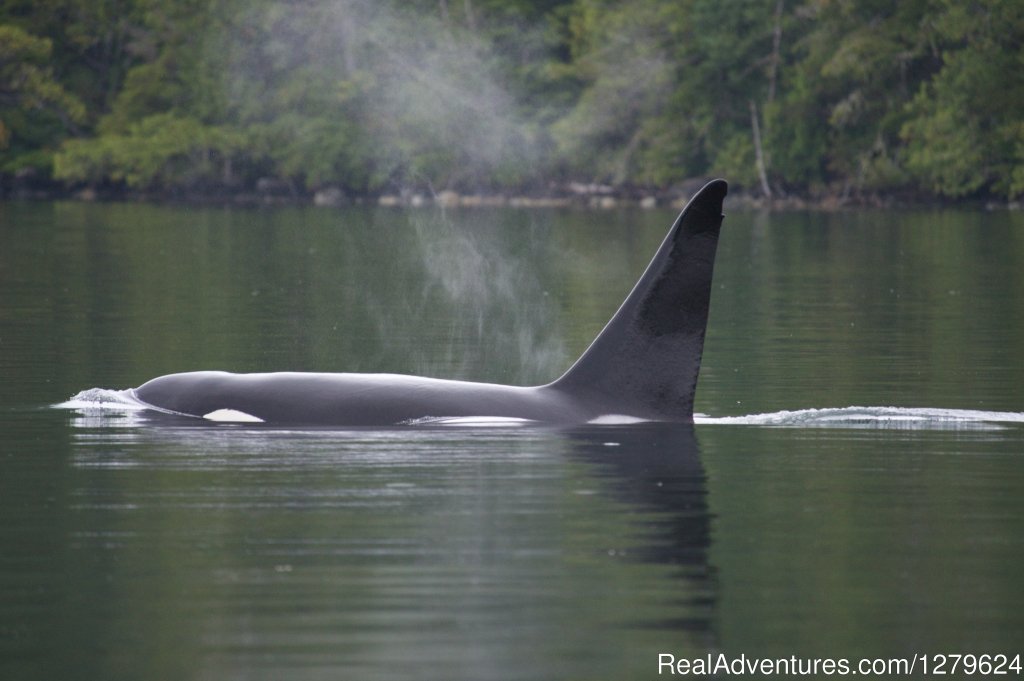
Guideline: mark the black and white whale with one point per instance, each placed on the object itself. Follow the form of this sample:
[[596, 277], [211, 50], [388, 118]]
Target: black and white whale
[[643, 366]]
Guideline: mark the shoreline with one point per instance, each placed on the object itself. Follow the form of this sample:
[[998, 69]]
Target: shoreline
[[571, 195]]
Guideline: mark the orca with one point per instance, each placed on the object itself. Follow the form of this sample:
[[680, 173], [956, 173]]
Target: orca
[[643, 366]]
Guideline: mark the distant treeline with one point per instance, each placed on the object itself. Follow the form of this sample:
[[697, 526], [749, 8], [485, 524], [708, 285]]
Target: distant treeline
[[841, 98]]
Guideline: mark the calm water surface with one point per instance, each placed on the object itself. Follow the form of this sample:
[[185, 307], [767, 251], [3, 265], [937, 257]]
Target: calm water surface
[[137, 547]]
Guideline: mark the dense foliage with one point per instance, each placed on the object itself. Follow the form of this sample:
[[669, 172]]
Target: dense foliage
[[819, 97]]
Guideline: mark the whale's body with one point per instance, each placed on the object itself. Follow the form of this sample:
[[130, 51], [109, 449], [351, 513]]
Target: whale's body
[[642, 366], [355, 399]]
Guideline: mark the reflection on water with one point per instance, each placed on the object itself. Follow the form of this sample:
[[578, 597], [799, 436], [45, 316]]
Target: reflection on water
[[433, 552], [656, 470]]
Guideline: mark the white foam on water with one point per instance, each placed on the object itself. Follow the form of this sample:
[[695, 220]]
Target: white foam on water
[[103, 399], [924, 418]]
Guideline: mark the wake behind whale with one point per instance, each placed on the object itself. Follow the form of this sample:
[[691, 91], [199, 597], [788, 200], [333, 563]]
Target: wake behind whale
[[884, 418]]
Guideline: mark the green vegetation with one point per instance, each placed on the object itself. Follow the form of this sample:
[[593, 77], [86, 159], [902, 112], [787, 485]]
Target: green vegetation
[[851, 98]]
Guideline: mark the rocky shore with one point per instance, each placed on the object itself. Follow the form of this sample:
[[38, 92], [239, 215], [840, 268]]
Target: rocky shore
[[569, 195]]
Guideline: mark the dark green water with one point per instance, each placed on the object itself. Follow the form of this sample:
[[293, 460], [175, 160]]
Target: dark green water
[[140, 549]]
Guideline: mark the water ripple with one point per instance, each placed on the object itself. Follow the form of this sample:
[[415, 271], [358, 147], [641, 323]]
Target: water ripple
[[909, 418]]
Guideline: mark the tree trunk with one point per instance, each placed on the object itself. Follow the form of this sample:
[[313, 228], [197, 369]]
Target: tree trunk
[[762, 172]]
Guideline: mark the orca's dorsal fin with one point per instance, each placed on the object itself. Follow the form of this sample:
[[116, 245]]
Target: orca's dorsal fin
[[646, 360]]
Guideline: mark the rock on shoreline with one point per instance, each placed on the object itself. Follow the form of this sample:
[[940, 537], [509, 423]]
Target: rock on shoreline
[[571, 195]]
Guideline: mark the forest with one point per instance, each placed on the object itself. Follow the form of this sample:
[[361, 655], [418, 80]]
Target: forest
[[856, 100]]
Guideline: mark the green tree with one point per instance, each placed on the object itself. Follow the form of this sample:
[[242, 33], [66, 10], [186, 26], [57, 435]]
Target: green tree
[[740, 58], [94, 42], [35, 110], [354, 93], [966, 131], [618, 130], [839, 120], [162, 151], [165, 128], [850, 96], [670, 87]]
